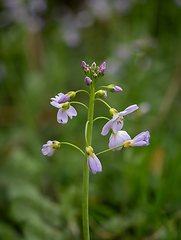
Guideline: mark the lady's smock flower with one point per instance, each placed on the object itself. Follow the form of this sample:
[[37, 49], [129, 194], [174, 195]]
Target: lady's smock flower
[[117, 121], [118, 139], [114, 88], [65, 111], [50, 147], [142, 139], [92, 161]]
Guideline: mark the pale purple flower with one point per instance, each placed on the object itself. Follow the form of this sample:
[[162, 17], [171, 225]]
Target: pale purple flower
[[88, 80], [117, 121], [60, 98], [50, 147], [92, 161], [118, 139], [142, 139], [65, 111]]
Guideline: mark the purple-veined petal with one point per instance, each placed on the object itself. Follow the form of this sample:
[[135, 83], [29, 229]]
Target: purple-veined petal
[[62, 117], [94, 164], [71, 112], [139, 144]]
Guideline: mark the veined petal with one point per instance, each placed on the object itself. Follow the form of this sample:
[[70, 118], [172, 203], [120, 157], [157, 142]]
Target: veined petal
[[62, 117], [94, 164], [140, 144], [107, 127], [71, 112]]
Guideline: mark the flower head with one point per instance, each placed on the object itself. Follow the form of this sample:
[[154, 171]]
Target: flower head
[[50, 147], [114, 88], [118, 139], [92, 161], [142, 139], [65, 111], [117, 121]]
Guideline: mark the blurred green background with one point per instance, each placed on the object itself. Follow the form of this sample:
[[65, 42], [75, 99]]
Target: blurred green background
[[42, 45]]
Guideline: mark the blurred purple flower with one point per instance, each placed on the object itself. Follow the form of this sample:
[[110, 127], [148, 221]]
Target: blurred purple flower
[[92, 161], [60, 98], [88, 80]]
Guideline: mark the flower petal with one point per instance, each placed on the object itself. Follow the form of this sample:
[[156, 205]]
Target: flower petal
[[117, 125], [118, 139], [94, 164], [107, 127], [129, 109], [55, 104], [62, 117], [71, 112]]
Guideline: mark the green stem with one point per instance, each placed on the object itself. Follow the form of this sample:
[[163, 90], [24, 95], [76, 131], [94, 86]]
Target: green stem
[[72, 145], [85, 210], [103, 102], [109, 149], [80, 104], [82, 90], [101, 118]]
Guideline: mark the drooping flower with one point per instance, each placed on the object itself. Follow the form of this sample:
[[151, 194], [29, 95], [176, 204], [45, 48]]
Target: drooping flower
[[117, 121], [65, 111], [50, 147], [118, 139], [114, 88], [142, 139], [92, 161], [88, 80]]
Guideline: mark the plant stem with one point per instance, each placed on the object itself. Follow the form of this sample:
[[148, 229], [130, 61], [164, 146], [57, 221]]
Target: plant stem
[[85, 196]]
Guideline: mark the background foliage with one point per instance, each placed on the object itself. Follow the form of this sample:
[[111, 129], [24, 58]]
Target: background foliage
[[42, 44]]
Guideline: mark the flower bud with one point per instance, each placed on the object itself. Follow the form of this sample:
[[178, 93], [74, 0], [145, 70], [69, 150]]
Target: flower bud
[[71, 94], [102, 93], [88, 80], [114, 88], [83, 64]]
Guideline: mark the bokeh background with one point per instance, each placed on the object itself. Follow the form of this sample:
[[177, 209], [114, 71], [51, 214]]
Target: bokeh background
[[42, 45]]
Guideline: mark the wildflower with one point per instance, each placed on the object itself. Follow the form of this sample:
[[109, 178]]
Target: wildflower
[[114, 88], [92, 161], [142, 139], [88, 80], [65, 111], [50, 147], [118, 139], [60, 98], [117, 121]]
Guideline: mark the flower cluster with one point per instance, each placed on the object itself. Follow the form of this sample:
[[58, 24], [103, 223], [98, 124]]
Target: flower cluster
[[118, 139]]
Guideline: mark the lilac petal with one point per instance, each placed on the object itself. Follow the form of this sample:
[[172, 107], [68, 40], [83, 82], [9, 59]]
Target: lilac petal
[[130, 109], [94, 164], [103, 65], [64, 98], [55, 104], [117, 125], [140, 144], [62, 117], [47, 150], [117, 89], [107, 127], [71, 112], [118, 139]]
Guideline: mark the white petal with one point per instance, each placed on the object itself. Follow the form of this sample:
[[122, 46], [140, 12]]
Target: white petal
[[62, 117]]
